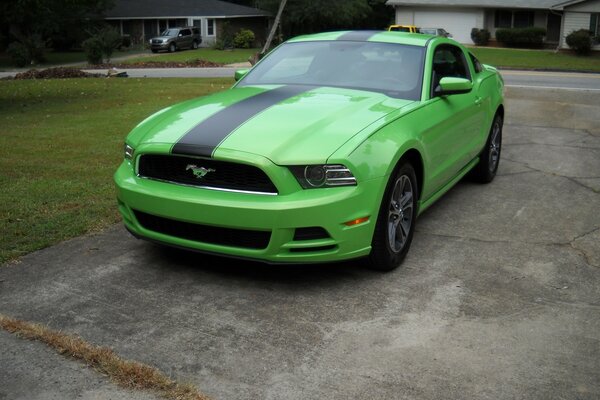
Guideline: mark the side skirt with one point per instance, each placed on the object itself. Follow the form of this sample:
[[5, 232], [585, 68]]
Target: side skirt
[[424, 205]]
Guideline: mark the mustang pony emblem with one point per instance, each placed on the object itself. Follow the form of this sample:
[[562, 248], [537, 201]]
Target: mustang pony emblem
[[199, 172]]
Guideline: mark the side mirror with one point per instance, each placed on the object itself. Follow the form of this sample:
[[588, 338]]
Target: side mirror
[[180, 35], [449, 86], [240, 73]]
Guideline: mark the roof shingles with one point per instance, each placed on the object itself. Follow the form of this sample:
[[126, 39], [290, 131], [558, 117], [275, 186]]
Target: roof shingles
[[180, 8], [536, 4]]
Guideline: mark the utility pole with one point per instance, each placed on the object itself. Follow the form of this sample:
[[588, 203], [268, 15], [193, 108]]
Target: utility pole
[[254, 59]]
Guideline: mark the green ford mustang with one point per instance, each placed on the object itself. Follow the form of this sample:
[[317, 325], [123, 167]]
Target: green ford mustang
[[326, 150]]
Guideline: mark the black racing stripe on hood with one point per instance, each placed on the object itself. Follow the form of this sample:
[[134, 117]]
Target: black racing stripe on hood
[[358, 36], [202, 139]]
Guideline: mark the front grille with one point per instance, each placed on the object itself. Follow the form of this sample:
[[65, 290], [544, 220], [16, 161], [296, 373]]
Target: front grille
[[156, 41], [220, 175], [204, 233]]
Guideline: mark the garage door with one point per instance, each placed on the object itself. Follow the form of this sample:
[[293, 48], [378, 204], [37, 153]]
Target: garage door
[[459, 24]]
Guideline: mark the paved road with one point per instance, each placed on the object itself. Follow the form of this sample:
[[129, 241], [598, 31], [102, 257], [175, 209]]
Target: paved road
[[498, 298], [224, 72], [563, 80], [526, 79], [512, 78]]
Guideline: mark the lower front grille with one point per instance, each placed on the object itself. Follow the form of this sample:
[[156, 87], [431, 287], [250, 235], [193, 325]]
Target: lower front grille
[[248, 239]]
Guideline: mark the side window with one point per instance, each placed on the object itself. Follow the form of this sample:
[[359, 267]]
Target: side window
[[476, 64], [448, 61], [196, 31], [186, 32]]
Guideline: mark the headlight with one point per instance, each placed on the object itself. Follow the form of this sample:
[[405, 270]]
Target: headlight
[[318, 176], [128, 152]]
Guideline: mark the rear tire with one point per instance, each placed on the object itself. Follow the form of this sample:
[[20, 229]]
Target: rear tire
[[195, 45], [489, 159], [396, 221]]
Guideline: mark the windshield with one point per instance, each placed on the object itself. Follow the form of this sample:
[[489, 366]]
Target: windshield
[[393, 69], [170, 32]]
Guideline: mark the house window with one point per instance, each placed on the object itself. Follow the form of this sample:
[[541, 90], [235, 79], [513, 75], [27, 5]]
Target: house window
[[523, 19], [210, 27], [595, 25], [516, 19], [197, 23], [503, 19]]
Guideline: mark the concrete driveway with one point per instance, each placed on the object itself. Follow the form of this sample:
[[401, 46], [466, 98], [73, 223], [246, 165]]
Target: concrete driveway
[[499, 297]]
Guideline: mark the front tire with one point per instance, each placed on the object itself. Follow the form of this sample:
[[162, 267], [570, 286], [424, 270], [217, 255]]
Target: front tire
[[172, 48], [489, 158], [396, 221]]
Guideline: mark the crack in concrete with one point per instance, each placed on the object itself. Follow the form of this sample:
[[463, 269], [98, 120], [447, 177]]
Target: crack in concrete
[[549, 173], [584, 130], [583, 252], [516, 173], [568, 245], [592, 148]]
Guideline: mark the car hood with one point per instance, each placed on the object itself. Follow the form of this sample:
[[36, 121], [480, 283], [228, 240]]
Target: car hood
[[287, 126], [162, 37]]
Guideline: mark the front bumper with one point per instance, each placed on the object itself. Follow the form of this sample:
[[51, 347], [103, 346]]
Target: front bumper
[[281, 215], [160, 46]]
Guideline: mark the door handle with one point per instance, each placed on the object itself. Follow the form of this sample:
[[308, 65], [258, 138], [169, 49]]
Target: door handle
[[478, 101]]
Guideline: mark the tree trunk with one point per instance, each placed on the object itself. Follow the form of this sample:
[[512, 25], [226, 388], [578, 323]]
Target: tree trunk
[[253, 60]]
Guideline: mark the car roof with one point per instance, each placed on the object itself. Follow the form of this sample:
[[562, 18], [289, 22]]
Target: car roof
[[414, 39]]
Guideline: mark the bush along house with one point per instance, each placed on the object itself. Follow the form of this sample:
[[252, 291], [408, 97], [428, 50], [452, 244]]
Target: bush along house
[[554, 19], [144, 19]]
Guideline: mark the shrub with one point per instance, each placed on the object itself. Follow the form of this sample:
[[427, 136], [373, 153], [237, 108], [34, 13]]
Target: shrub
[[244, 39], [18, 54], [580, 41], [521, 37], [227, 36], [93, 50], [102, 44], [126, 41], [480, 37], [29, 50]]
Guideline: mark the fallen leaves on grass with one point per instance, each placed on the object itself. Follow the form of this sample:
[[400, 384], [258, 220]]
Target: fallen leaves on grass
[[55, 73], [126, 373]]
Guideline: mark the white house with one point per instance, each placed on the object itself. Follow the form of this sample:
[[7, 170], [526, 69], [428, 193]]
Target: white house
[[459, 16], [579, 15]]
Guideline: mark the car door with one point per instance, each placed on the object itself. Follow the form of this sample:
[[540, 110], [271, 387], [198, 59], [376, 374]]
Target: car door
[[186, 38], [451, 123]]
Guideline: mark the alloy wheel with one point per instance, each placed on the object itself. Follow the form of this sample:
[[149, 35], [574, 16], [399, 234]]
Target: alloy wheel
[[400, 213]]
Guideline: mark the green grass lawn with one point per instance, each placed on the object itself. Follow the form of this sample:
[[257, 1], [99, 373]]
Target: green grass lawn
[[60, 143], [218, 56], [64, 57], [537, 59]]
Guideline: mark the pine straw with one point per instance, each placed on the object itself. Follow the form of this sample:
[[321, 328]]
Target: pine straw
[[160, 64], [127, 374], [55, 73]]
